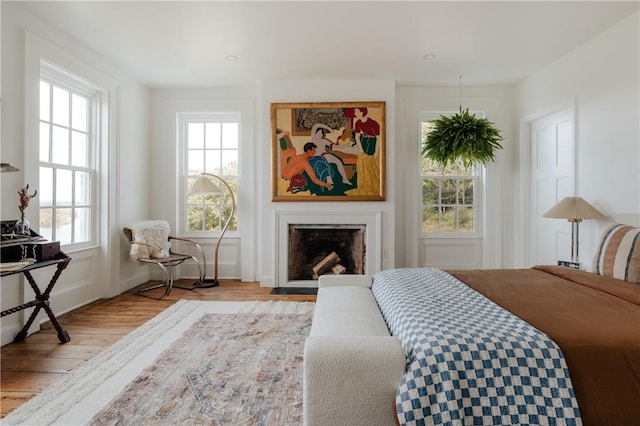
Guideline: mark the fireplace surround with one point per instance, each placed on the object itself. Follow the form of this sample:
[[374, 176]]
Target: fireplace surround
[[350, 231]]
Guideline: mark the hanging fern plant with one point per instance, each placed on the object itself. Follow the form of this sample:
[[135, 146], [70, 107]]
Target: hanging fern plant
[[462, 136]]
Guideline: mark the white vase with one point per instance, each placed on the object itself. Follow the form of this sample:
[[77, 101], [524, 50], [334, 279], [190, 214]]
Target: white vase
[[22, 227]]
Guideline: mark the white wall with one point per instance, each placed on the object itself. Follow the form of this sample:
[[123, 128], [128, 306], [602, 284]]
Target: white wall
[[602, 79], [322, 91], [128, 147]]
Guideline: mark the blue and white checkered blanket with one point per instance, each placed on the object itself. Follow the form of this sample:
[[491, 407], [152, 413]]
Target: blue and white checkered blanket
[[469, 361]]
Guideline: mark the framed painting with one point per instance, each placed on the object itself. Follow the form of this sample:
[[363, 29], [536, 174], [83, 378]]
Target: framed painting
[[328, 151]]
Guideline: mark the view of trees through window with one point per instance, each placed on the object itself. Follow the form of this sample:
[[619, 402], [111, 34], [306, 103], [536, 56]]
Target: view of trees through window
[[448, 194], [212, 147]]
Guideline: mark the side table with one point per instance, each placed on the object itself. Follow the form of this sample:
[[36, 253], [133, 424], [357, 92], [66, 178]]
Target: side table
[[41, 299], [13, 250]]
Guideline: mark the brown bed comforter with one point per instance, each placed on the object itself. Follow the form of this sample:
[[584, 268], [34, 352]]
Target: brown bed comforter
[[595, 320]]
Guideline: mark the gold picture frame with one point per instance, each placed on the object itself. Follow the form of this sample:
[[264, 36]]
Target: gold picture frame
[[328, 151]]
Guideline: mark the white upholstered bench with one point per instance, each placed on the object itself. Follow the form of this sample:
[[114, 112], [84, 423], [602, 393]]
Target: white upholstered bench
[[352, 366]]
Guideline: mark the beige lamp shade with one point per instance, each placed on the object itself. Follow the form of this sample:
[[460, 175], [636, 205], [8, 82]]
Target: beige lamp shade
[[575, 209], [204, 186]]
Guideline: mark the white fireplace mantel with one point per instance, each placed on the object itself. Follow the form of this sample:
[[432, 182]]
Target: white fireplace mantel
[[372, 220]]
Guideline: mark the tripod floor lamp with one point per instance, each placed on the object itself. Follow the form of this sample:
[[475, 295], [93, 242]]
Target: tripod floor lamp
[[575, 210], [204, 185]]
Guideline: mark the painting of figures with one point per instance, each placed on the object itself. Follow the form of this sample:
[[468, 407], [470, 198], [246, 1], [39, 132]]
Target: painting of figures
[[328, 151]]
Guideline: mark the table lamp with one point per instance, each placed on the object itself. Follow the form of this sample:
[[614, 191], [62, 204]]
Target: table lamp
[[575, 210]]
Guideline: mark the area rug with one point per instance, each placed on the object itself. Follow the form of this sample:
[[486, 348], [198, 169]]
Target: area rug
[[197, 363]]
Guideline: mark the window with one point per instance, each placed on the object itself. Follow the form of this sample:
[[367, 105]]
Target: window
[[67, 161], [450, 196], [212, 146]]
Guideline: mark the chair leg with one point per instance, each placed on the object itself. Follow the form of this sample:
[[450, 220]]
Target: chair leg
[[167, 284], [169, 280]]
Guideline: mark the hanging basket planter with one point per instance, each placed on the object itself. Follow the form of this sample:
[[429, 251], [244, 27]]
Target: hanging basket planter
[[462, 136]]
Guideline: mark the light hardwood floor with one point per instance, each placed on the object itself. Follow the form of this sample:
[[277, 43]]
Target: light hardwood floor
[[30, 366]]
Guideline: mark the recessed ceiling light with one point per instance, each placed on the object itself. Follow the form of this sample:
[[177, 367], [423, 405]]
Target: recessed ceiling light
[[429, 57], [232, 58]]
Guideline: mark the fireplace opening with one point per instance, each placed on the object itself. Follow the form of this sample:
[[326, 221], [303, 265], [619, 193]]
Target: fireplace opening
[[325, 249]]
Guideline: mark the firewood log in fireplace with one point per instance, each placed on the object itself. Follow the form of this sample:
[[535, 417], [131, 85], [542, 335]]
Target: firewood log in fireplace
[[325, 264]]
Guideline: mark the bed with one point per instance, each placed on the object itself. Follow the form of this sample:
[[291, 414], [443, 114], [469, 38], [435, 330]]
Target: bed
[[584, 367]]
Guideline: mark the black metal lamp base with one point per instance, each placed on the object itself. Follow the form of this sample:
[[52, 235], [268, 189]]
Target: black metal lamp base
[[209, 282]]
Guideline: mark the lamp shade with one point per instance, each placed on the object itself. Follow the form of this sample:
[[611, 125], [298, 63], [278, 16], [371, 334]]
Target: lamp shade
[[574, 209], [204, 186]]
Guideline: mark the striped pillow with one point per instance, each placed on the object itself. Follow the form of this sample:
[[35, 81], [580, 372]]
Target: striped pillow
[[618, 253]]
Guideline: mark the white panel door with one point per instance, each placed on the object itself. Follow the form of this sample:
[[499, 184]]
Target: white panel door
[[552, 178]]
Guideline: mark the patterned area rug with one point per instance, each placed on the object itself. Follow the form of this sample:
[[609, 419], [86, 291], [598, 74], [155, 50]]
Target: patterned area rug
[[226, 363]]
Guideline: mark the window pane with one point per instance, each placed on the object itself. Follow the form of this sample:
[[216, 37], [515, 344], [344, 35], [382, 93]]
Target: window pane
[[448, 221], [465, 219], [63, 226], [79, 113], [195, 161], [82, 225], [60, 146], [465, 191], [448, 193], [226, 211], [214, 135], [430, 191], [212, 215], [82, 189], [65, 195], [45, 98], [44, 142], [79, 148], [430, 167], [45, 223], [64, 187], [194, 218], [212, 161], [465, 171], [230, 162], [454, 210], [230, 135], [430, 219], [218, 154], [45, 191], [60, 106], [195, 135]]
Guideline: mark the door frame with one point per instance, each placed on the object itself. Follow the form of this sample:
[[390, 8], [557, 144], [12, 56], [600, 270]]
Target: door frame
[[522, 208]]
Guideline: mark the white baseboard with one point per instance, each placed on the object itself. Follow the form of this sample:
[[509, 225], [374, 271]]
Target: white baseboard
[[8, 332], [133, 281]]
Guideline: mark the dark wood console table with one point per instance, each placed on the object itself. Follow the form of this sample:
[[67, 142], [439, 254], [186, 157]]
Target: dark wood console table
[[11, 249]]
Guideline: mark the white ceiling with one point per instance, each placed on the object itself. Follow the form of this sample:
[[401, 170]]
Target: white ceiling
[[186, 44]]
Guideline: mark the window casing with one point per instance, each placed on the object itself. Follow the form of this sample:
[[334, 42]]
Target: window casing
[[451, 197], [211, 144], [67, 153]]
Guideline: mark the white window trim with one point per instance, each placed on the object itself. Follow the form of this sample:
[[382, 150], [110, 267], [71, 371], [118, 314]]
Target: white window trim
[[182, 121], [107, 245], [478, 188], [58, 76]]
